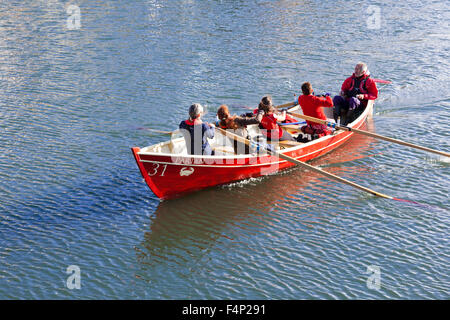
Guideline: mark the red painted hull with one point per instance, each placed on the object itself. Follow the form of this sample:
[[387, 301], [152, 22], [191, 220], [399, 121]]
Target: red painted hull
[[172, 176]]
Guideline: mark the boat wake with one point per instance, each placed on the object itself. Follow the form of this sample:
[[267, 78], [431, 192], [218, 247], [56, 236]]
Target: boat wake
[[243, 183]]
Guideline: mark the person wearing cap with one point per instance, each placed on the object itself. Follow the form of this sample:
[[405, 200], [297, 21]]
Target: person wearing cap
[[355, 92], [196, 132], [269, 122]]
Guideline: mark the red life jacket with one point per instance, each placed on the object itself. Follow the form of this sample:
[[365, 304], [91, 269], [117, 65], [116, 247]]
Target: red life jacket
[[360, 89], [194, 122], [367, 87], [273, 130]]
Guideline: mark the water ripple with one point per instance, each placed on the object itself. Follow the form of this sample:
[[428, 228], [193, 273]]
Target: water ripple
[[71, 193]]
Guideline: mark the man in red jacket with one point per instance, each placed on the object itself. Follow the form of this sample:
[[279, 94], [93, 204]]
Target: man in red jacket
[[355, 92], [312, 106]]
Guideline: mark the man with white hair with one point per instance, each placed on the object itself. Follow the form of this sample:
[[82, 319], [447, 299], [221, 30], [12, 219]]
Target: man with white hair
[[355, 92]]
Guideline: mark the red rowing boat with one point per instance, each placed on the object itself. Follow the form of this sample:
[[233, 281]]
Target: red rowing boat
[[170, 172]]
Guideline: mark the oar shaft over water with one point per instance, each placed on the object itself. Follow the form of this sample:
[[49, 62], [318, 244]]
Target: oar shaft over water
[[331, 176], [305, 165], [374, 135], [370, 134], [158, 131]]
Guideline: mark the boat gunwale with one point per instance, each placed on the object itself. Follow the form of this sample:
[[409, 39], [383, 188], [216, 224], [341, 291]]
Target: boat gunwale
[[224, 165]]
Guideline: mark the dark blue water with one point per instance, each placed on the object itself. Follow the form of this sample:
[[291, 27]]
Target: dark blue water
[[71, 194]]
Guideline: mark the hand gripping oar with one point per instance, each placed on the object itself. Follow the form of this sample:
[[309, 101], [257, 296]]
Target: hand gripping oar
[[302, 164], [370, 134]]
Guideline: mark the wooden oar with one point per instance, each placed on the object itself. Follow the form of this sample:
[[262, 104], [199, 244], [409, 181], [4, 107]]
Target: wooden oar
[[281, 106], [303, 164], [289, 104], [370, 134], [158, 131]]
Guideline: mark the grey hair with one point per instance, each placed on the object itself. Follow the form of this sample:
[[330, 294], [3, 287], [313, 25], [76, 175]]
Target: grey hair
[[195, 110], [362, 65]]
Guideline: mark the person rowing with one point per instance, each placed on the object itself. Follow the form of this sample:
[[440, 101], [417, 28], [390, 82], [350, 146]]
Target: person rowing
[[269, 122], [287, 119], [355, 92], [313, 106], [196, 132], [239, 126]]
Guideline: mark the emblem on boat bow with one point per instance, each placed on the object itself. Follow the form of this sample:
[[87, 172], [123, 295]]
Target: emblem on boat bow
[[186, 171]]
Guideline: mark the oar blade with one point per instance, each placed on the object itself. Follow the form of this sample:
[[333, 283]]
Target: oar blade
[[382, 81]]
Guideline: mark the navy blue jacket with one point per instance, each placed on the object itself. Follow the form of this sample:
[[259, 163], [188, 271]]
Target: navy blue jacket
[[196, 136]]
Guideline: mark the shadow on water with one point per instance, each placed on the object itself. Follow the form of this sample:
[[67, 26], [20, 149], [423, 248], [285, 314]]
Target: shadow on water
[[185, 231]]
